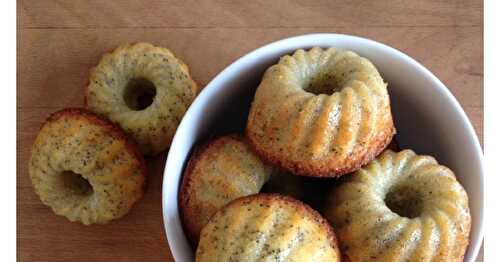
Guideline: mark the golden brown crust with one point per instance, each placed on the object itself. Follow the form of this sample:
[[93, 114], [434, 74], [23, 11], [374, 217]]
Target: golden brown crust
[[306, 209], [106, 200], [187, 219], [187, 193], [307, 125], [299, 206], [305, 168], [113, 129]]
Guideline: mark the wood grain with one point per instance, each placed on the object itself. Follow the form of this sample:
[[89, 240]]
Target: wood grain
[[245, 14], [454, 54], [59, 41]]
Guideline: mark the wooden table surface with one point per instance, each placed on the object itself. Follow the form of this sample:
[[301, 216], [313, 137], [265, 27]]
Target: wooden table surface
[[58, 41]]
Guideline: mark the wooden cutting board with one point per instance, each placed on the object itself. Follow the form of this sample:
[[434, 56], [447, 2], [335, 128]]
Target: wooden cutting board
[[59, 41]]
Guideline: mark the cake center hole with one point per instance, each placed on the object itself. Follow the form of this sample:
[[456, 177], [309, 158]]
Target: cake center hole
[[76, 183], [323, 83], [404, 201], [139, 93]]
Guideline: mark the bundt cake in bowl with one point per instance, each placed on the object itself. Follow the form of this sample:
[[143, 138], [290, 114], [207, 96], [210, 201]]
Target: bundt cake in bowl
[[219, 171], [267, 227], [401, 207], [321, 113], [427, 117]]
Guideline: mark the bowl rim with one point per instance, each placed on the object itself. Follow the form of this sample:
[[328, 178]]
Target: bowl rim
[[212, 87]]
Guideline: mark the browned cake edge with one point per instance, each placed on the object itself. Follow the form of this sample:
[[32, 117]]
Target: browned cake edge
[[189, 218], [112, 129], [306, 168], [297, 204]]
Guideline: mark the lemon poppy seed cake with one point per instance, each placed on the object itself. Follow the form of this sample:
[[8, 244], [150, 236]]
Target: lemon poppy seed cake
[[85, 168], [267, 227], [322, 112], [219, 171], [401, 207], [145, 89]]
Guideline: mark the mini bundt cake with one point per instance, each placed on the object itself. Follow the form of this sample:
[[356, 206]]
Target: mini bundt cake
[[85, 168], [220, 171], [267, 227], [401, 207], [321, 113], [145, 89]]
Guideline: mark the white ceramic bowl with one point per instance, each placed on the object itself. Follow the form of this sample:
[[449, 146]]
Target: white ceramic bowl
[[428, 119]]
